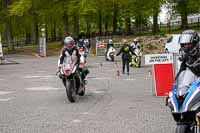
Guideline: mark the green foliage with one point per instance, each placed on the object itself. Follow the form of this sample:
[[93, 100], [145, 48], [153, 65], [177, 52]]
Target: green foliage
[[52, 12]]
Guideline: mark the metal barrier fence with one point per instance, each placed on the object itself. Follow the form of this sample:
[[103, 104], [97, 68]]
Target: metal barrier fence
[[101, 43]]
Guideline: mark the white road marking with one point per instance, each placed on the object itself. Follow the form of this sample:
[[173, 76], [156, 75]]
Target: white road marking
[[4, 92], [6, 99], [41, 71], [1, 79], [130, 79], [76, 121], [37, 76], [84, 113], [98, 92], [42, 88], [101, 78]]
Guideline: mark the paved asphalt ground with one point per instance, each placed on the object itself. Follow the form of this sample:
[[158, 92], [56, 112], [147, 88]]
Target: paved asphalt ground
[[33, 100]]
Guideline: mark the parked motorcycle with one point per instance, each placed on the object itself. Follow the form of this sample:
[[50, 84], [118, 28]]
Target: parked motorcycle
[[110, 55], [136, 59], [185, 106], [71, 79]]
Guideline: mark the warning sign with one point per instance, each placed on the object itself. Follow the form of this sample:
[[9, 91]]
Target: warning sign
[[158, 59], [101, 45]]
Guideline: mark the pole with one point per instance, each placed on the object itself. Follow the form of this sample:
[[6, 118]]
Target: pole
[[1, 49]]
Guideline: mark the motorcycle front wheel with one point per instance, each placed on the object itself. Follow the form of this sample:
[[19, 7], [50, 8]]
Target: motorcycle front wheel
[[70, 90], [183, 129], [138, 63]]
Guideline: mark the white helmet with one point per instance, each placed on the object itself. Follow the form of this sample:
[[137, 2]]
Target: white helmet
[[135, 40], [69, 40], [110, 41]]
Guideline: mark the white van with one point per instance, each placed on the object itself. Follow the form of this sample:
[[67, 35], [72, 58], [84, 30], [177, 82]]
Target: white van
[[173, 45]]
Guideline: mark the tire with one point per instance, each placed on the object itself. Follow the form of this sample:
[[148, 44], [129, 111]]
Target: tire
[[166, 51], [82, 93], [183, 129], [139, 64], [112, 58], [71, 94]]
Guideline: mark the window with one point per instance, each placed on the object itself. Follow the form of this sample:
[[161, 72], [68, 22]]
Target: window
[[169, 40]]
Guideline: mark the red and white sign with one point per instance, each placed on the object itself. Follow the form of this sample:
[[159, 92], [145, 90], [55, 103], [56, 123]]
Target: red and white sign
[[101, 45], [162, 72], [163, 79]]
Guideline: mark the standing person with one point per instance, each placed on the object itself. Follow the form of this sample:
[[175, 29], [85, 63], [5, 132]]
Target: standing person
[[126, 55]]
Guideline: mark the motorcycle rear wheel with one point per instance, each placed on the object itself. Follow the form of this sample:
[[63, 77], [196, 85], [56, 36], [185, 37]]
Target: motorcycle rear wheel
[[82, 92]]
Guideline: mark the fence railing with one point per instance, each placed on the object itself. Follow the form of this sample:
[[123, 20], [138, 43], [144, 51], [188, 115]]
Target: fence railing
[[193, 23]]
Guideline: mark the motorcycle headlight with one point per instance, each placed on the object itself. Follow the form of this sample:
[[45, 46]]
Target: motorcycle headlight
[[170, 94], [182, 91]]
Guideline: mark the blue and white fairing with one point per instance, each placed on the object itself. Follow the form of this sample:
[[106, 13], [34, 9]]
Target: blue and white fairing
[[191, 100]]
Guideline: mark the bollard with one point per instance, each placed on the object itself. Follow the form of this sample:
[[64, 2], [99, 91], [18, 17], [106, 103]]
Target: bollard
[[101, 64], [117, 70]]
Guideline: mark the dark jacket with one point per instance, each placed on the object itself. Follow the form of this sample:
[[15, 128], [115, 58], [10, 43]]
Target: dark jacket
[[125, 50], [109, 45], [193, 63]]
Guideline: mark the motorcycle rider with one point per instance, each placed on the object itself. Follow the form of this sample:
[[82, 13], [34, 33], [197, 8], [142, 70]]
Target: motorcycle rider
[[135, 44], [71, 50], [126, 56], [109, 44], [190, 58]]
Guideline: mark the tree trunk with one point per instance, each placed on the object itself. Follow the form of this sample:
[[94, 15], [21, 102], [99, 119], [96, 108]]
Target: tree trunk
[[138, 21], [115, 18], [46, 32], [9, 29], [28, 37], [66, 23], [36, 29], [106, 23], [88, 24], [128, 24], [184, 20], [9, 36], [76, 24], [100, 23], [155, 21], [53, 31]]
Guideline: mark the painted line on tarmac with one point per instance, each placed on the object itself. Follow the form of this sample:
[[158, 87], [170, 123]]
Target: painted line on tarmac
[[98, 92], [6, 99], [37, 76], [2, 79], [41, 71], [100, 78], [5, 92], [42, 88], [84, 113], [130, 79], [76, 121]]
